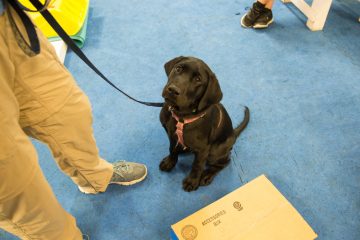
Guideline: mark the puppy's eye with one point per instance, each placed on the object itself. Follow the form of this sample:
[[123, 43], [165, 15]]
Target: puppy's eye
[[197, 79], [178, 69]]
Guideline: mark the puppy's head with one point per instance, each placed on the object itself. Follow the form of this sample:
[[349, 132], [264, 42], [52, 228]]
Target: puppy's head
[[191, 85]]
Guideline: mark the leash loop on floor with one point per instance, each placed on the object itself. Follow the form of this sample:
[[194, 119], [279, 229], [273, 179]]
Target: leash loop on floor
[[65, 37]]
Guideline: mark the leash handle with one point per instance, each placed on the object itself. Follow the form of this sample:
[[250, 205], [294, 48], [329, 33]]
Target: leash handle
[[61, 32]]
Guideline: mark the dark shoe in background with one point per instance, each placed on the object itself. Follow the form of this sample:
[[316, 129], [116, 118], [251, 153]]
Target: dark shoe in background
[[257, 17], [264, 20]]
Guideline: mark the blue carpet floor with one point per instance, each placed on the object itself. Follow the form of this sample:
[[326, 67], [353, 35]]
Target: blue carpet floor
[[302, 87]]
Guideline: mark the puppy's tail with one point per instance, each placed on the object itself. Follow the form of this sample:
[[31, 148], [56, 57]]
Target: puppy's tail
[[243, 124]]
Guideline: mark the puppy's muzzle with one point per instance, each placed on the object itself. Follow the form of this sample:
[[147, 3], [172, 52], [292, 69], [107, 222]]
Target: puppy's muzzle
[[173, 90]]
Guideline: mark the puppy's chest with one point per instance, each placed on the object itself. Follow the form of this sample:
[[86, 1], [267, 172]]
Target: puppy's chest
[[188, 135]]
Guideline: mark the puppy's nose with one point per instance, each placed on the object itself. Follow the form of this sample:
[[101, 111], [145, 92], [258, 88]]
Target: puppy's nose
[[172, 89]]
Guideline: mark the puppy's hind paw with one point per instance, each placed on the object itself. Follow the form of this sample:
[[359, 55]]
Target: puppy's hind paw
[[167, 164], [190, 184]]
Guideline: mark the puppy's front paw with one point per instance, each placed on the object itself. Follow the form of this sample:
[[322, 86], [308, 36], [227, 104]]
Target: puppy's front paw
[[167, 164], [190, 184]]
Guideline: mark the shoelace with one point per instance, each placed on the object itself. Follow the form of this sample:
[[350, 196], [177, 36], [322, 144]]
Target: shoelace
[[122, 167], [255, 11]]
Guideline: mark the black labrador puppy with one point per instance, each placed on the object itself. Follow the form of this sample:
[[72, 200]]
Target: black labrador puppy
[[196, 122]]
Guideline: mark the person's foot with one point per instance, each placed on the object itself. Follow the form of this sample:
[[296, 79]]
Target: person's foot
[[128, 173], [125, 173], [257, 17], [264, 20]]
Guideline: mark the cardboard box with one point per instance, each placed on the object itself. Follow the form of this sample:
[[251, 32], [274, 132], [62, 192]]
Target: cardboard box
[[255, 211]]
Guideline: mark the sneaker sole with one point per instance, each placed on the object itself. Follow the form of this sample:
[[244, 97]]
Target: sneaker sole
[[85, 192], [259, 26], [118, 183], [132, 182], [242, 24]]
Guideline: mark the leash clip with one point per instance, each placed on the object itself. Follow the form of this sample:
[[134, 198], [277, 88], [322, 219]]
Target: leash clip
[[171, 108]]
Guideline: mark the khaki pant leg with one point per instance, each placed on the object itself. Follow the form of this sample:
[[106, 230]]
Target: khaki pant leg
[[28, 208], [36, 214], [69, 135], [54, 110]]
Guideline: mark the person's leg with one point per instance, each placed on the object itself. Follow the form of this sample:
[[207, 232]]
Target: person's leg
[[259, 16], [35, 213], [54, 110], [268, 3], [69, 135], [28, 207]]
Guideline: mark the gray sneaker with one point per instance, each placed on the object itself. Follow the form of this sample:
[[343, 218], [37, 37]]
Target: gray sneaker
[[128, 173], [125, 173]]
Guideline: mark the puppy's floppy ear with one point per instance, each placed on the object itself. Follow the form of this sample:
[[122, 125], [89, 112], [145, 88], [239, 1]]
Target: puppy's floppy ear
[[170, 64], [213, 93]]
